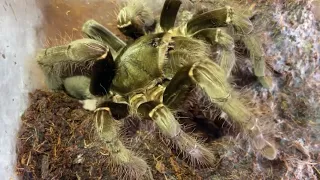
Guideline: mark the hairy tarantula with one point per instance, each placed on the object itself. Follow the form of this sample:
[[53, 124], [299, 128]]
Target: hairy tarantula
[[152, 75]]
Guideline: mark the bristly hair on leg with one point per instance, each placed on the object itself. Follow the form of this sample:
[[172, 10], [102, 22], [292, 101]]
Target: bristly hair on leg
[[76, 58], [193, 150], [261, 128], [122, 160], [171, 130]]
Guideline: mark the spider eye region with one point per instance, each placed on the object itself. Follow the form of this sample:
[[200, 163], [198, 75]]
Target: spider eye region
[[155, 42]]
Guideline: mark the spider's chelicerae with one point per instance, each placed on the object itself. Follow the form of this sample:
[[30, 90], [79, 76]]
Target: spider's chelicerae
[[152, 75]]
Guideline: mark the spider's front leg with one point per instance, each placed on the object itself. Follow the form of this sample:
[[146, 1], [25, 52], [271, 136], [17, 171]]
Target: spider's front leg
[[169, 14], [69, 66], [123, 161], [212, 80]]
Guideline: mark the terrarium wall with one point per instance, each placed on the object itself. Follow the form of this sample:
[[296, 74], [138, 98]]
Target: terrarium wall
[[25, 26], [18, 42]]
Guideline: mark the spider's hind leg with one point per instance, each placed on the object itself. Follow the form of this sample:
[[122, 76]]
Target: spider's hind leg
[[212, 80]]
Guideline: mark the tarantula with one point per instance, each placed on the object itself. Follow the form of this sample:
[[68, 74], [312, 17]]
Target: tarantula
[[152, 75]]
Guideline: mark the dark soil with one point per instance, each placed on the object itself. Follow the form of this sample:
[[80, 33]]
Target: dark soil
[[57, 141]]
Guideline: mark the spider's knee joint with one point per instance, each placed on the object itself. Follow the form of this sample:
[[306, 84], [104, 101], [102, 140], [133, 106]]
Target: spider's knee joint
[[102, 109], [155, 109], [149, 109]]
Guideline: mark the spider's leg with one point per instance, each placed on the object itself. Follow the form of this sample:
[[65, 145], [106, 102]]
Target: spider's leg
[[170, 128], [223, 42], [122, 160], [151, 107], [78, 87], [136, 19], [212, 80], [254, 46], [169, 13], [98, 32], [77, 68], [220, 18], [72, 59], [242, 26], [94, 83]]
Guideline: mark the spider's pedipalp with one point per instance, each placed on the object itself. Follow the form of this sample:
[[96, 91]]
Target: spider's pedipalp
[[96, 31], [169, 13], [122, 160], [170, 128]]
